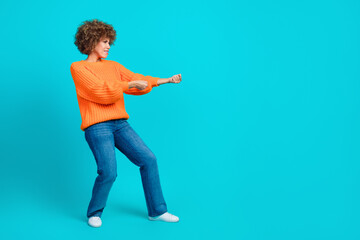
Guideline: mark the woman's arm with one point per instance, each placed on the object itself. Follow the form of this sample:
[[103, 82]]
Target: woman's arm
[[141, 85], [162, 81], [173, 79], [95, 89], [138, 83]]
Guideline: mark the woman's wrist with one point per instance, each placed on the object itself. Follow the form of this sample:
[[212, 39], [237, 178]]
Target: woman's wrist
[[131, 85], [162, 81]]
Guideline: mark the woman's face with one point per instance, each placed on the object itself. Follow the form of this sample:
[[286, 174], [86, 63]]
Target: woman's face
[[102, 48]]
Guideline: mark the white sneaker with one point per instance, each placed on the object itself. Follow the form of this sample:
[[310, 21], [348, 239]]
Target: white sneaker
[[94, 221], [166, 217]]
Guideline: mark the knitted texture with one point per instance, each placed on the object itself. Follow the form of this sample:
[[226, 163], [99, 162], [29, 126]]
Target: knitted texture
[[100, 88]]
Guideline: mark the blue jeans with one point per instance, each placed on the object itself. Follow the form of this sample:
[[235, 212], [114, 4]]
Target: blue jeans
[[103, 138]]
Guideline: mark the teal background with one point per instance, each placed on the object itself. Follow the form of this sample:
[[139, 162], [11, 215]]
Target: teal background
[[259, 141]]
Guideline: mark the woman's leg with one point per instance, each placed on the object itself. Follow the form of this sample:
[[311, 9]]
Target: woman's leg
[[101, 141], [131, 145]]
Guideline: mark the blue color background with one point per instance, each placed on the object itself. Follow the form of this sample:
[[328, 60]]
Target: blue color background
[[259, 141]]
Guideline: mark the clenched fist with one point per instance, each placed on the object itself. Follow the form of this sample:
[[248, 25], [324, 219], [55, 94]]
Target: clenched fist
[[175, 79], [139, 84]]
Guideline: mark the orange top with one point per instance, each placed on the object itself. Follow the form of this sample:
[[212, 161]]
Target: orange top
[[100, 87]]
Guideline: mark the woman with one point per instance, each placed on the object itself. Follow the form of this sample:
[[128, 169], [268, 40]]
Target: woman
[[100, 85]]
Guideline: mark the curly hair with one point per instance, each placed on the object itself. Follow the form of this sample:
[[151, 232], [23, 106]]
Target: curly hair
[[90, 33]]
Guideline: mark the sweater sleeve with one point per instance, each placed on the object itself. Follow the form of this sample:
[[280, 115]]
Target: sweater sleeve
[[91, 87], [127, 75]]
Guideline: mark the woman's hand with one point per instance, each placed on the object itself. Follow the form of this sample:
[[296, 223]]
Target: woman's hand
[[175, 79], [139, 84]]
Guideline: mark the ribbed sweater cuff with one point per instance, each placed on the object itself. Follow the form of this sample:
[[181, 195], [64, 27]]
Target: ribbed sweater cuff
[[154, 82], [126, 86]]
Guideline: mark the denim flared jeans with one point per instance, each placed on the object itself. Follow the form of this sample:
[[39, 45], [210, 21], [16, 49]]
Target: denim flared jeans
[[103, 138]]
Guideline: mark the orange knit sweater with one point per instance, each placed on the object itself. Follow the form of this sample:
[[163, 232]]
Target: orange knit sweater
[[100, 87]]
